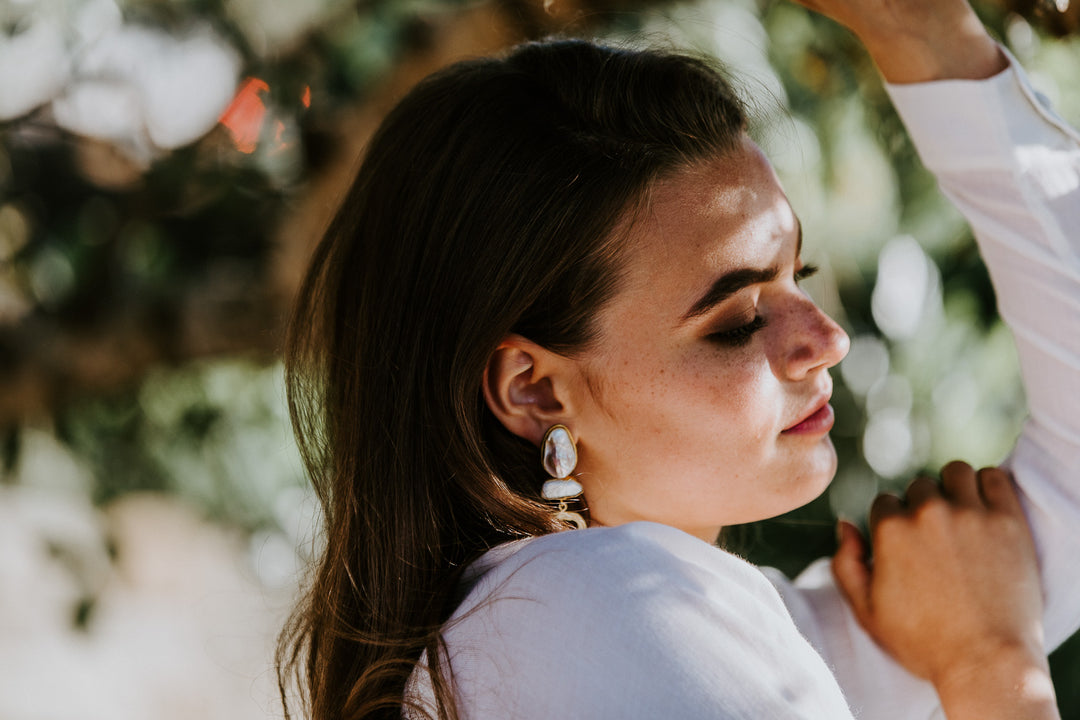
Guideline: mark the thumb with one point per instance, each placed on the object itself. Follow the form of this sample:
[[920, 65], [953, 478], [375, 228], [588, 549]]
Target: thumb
[[851, 570]]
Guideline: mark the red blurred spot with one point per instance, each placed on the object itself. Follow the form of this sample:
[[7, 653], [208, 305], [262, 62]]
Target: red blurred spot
[[244, 116], [306, 97]]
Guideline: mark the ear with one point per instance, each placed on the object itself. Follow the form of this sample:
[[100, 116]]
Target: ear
[[527, 387]]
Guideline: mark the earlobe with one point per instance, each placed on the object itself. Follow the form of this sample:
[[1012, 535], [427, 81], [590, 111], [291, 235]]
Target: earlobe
[[522, 388]]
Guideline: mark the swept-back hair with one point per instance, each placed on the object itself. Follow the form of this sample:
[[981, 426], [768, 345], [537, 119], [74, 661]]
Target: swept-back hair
[[488, 203]]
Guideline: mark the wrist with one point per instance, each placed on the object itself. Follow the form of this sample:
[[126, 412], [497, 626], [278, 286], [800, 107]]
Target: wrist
[[1011, 682], [964, 52]]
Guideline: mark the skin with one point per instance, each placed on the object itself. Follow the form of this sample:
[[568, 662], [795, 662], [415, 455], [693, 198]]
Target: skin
[[914, 41], [687, 414], [699, 405], [675, 427], [953, 592]]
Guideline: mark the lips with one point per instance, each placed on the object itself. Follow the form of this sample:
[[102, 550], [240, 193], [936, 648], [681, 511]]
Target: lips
[[818, 421]]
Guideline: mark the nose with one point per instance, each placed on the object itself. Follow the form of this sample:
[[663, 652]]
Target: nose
[[810, 340]]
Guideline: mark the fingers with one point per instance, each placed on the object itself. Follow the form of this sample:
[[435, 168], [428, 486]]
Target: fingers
[[919, 491], [990, 487], [884, 505], [998, 491], [849, 566], [960, 484]]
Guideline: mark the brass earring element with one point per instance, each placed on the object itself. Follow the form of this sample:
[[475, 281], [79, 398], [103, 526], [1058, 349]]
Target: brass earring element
[[558, 454]]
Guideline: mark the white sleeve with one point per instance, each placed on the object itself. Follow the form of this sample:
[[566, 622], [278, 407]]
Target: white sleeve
[[1012, 168]]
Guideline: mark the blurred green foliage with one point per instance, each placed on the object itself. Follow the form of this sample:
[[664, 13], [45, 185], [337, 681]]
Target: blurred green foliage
[[214, 433]]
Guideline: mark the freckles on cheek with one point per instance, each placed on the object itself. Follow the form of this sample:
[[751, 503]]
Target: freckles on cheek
[[750, 400]]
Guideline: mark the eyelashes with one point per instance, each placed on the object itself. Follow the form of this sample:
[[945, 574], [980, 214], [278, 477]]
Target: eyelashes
[[741, 335], [805, 271]]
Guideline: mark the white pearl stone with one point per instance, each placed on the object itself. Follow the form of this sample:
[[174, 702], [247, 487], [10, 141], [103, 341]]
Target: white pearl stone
[[561, 489], [560, 455]]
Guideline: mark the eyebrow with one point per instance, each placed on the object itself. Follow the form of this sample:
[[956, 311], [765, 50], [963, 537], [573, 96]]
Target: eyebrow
[[730, 283]]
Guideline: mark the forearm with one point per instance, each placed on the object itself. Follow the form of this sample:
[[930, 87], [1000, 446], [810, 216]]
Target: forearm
[[1013, 169], [1015, 175]]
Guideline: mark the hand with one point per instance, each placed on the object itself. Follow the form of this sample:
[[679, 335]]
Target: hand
[[919, 40], [953, 592]]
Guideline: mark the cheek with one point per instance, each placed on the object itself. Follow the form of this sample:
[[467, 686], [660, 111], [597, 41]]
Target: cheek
[[738, 387], [710, 411], [704, 400]]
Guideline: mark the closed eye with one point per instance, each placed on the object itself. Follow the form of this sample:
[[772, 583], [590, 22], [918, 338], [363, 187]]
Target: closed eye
[[805, 271], [739, 336]]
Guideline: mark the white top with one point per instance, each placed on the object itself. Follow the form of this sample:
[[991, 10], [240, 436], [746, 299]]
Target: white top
[[645, 621]]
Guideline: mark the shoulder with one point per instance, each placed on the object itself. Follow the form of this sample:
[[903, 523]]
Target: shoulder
[[639, 620], [636, 564]]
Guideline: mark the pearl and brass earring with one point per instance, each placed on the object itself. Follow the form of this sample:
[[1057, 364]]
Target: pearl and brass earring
[[559, 456]]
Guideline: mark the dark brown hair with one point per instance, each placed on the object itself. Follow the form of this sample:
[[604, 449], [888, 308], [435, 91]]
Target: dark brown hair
[[487, 204]]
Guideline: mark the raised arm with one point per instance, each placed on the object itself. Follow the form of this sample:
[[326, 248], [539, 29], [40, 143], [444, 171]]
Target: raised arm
[[918, 41], [1013, 169]]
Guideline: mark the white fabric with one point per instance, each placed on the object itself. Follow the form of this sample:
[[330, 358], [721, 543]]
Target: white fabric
[[644, 621], [635, 621]]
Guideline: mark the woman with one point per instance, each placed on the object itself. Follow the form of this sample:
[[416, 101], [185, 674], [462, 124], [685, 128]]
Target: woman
[[577, 252]]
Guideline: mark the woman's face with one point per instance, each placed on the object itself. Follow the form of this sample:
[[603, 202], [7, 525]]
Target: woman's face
[[707, 392]]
